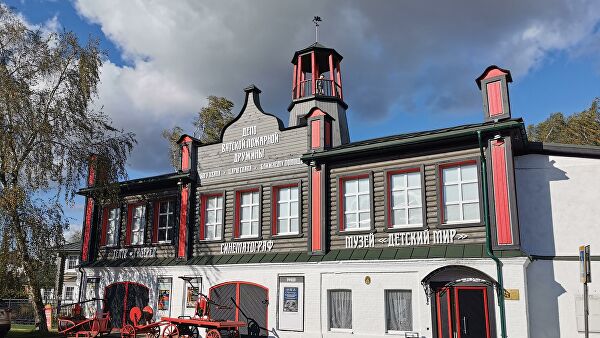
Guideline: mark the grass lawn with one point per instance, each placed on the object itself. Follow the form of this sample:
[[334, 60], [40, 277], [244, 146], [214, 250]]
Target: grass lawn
[[28, 331]]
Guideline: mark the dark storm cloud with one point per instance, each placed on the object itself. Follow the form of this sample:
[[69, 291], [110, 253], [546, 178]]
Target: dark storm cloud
[[400, 57]]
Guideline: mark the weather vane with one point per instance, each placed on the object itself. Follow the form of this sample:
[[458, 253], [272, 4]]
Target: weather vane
[[316, 21]]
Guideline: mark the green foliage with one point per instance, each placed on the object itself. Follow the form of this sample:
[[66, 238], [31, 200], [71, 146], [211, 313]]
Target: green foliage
[[212, 118], [579, 128], [48, 128], [209, 123]]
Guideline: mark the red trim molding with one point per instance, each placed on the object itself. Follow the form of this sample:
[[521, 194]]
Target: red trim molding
[[203, 201], [238, 194], [238, 285], [183, 215], [341, 180], [89, 211], [441, 168], [388, 178], [501, 198], [275, 205]]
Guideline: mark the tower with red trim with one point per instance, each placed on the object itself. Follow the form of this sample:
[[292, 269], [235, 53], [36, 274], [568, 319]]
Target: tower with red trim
[[317, 83]]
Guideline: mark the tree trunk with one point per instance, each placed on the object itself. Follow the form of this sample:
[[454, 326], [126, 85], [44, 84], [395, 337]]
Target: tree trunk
[[38, 306], [30, 274], [58, 287]]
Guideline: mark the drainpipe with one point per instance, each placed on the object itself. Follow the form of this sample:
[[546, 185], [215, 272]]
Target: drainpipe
[[488, 240]]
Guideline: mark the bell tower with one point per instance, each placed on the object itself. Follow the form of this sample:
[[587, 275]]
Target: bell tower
[[317, 83]]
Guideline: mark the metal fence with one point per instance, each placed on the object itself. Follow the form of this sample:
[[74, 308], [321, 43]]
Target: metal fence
[[21, 310]]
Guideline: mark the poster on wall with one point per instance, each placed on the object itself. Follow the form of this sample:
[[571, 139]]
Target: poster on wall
[[290, 304], [290, 299], [191, 296], [192, 286], [164, 294]]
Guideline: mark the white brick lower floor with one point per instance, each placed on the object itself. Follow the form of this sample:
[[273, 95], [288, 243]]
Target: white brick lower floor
[[367, 281]]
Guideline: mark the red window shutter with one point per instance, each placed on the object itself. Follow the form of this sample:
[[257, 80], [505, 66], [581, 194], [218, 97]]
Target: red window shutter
[[202, 217], [129, 221], [236, 228], [274, 206], [104, 226], [155, 225]]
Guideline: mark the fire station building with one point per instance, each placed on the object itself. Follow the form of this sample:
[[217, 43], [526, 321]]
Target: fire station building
[[467, 231]]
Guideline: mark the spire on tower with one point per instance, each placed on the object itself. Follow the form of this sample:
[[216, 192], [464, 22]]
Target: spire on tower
[[316, 21]]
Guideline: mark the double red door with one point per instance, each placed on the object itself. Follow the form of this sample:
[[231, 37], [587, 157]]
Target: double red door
[[462, 312]]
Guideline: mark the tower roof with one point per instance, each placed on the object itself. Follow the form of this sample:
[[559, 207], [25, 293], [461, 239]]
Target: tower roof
[[316, 46]]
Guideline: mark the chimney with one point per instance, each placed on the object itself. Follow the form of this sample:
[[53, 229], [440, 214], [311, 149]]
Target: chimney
[[493, 84]]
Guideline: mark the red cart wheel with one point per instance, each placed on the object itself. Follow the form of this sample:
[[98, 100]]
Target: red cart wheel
[[128, 331], [192, 332], [213, 334], [171, 331], [153, 333]]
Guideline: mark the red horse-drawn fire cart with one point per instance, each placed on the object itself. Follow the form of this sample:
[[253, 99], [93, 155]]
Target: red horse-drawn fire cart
[[183, 326]]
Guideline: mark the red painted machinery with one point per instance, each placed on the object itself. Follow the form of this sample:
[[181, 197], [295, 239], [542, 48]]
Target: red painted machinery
[[142, 324], [186, 326], [76, 325]]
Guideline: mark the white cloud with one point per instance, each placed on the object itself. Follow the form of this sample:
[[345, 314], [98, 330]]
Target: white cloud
[[407, 55]]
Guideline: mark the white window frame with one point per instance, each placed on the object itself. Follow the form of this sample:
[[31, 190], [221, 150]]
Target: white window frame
[[358, 210], [291, 199], [112, 226], [336, 329], [253, 218], [460, 201], [69, 260], [404, 190], [385, 299], [72, 288], [218, 226], [169, 215], [142, 224]]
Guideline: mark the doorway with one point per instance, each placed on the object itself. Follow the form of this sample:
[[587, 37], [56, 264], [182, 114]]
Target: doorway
[[462, 312]]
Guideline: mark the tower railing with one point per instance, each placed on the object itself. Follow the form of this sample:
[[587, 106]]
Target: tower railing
[[322, 87]]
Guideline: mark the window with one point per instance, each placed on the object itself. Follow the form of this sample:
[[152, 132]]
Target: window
[[69, 292], [166, 221], [287, 210], [112, 226], [72, 262], [356, 204], [405, 199], [212, 217], [138, 223], [398, 310], [340, 309], [47, 295], [460, 191], [248, 214]]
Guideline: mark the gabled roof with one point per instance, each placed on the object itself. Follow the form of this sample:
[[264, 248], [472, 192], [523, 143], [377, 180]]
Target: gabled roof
[[71, 247]]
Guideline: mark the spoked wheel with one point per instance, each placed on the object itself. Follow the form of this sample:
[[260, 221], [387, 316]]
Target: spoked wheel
[[213, 334], [153, 333], [171, 331], [192, 332], [128, 331]]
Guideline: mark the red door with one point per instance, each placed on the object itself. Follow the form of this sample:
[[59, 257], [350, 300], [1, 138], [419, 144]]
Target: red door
[[462, 312]]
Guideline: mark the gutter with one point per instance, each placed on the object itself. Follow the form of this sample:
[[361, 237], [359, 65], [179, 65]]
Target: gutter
[[354, 150], [488, 241]]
